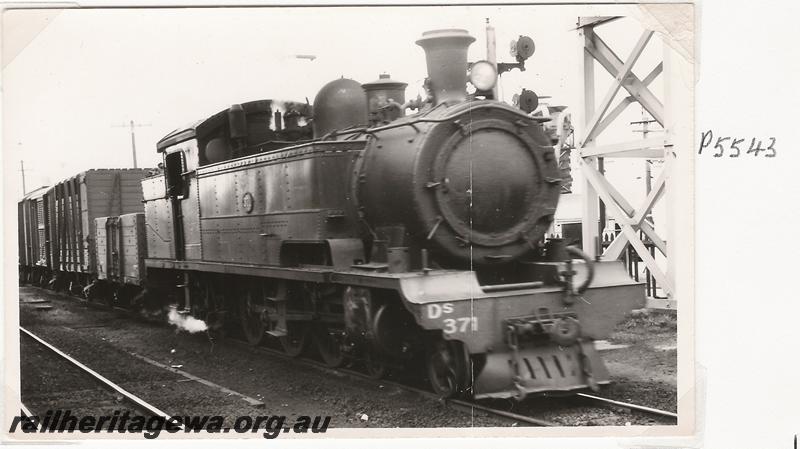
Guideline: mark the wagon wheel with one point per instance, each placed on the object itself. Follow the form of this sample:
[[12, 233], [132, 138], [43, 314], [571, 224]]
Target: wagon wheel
[[447, 371], [329, 347], [375, 363], [115, 298], [252, 318], [206, 304], [295, 339]]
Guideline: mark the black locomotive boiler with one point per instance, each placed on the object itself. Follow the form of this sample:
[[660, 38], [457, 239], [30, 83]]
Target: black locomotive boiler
[[386, 238]]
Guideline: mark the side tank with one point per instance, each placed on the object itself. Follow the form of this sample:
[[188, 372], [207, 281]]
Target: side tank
[[252, 208]]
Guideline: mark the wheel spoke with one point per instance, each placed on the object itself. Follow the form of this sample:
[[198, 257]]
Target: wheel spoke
[[375, 363], [446, 369], [295, 340], [252, 322], [329, 347]]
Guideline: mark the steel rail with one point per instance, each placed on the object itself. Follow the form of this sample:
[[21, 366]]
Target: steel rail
[[641, 408], [99, 377], [504, 414], [26, 413]]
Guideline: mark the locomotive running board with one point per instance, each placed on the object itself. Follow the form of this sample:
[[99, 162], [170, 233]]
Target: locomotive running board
[[307, 273], [302, 274]]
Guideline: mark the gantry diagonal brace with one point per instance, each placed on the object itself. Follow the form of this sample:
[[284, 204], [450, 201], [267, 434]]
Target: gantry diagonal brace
[[611, 62], [620, 108], [630, 222], [636, 219], [621, 76]]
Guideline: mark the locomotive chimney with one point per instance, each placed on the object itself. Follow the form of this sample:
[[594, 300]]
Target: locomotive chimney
[[446, 56]]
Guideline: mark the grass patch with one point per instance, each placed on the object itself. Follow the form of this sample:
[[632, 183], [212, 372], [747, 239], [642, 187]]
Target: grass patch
[[651, 321], [646, 327]]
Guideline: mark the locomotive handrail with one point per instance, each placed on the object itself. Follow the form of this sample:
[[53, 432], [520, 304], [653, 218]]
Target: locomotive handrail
[[413, 122], [509, 287]]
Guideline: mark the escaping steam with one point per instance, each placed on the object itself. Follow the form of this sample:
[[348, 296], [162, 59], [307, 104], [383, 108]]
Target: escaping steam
[[186, 322], [304, 110]]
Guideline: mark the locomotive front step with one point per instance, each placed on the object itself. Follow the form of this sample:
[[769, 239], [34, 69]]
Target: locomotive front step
[[517, 373]]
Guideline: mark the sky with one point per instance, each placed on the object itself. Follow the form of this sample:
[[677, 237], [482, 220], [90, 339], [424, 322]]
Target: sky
[[68, 92]]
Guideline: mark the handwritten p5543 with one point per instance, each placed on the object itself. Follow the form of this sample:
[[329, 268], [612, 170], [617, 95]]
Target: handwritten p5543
[[735, 146]]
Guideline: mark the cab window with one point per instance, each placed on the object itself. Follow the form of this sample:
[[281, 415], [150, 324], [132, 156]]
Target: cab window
[[175, 165]]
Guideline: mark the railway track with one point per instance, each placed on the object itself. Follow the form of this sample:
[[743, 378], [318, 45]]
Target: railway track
[[458, 404], [135, 402], [466, 406]]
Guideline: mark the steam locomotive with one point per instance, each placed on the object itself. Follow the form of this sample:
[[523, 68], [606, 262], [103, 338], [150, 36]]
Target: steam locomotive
[[376, 236]]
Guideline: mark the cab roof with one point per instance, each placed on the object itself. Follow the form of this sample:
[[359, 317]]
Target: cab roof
[[201, 127]]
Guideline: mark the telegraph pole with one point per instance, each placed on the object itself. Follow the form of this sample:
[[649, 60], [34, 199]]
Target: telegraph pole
[[648, 164], [645, 122], [22, 170], [133, 127], [648, 184], [133, 144]]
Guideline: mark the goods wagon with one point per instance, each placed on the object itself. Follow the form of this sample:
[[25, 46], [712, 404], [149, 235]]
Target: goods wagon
[[120, 248], [33, 250], [57, 224]]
